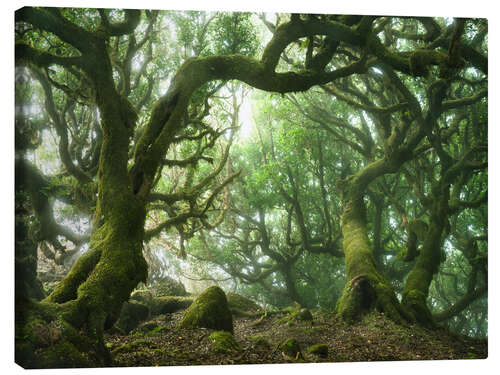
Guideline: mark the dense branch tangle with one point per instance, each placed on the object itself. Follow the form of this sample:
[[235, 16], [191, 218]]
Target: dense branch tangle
[[91, 295]]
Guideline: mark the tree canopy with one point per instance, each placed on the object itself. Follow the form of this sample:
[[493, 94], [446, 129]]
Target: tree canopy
[[360, 182]]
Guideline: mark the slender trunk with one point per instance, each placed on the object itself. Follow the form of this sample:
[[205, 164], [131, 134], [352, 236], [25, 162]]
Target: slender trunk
[[291, 287], [416, 289]]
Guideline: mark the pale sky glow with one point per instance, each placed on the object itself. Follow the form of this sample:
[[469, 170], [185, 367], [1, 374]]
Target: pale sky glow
[[246, 118]]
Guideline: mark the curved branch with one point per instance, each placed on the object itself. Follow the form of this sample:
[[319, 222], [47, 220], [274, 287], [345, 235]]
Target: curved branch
[[51, 20], [132, 19], [61, 129], [456, 103], [460, 305], [27, 54]]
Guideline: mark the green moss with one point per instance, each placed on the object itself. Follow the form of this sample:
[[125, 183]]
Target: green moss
[[66, 289], [366, 288], [132, 314], [143, 296], [415, 301], [417, 284], [365, 293], [167, 305], [291, 350], [260, 341], [318, 349], [304, 315], [133, 347], [209, 310], [63, 355], [295, 316], [421, 59], [311, 330], [223, 342], [155, 331], [169, 287], [240, 303], [44, 340], [289, 309]]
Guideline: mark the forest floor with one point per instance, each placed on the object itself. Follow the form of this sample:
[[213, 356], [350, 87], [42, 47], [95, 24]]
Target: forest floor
[[375, 338]]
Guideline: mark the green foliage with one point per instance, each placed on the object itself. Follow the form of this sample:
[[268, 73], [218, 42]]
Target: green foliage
[[234, 33]]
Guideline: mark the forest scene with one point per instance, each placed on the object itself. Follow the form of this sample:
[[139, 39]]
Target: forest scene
[[221, 187]]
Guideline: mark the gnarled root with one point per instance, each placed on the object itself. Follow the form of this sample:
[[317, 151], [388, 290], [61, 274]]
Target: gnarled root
[[363, 294]]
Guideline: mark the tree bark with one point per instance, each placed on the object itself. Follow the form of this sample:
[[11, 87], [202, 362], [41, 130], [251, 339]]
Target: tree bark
[[366, 289], [417, 284]]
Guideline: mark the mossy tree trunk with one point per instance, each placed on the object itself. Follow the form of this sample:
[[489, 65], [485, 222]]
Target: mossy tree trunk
[[90, 297], [417, 284], [442, 202], [366, 289]]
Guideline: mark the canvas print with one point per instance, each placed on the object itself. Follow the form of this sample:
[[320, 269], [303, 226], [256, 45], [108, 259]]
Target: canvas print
[[215, 187]]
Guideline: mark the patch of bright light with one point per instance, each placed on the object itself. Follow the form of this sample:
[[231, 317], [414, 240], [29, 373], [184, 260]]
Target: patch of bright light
[[246, 119]]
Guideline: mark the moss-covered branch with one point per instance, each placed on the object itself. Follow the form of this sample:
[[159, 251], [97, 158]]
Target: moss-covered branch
[[30, 55], [132, 19], [51, 20], [460, 305]]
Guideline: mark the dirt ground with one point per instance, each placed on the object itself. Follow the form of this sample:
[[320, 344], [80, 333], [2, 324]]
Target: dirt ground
[[375, 338]]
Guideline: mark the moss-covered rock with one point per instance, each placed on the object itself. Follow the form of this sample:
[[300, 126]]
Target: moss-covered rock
[[151, 327], [143, 296], [295, 316], [304, 315], [318, 349], [238, 303], [169, 287], [260, 342], [131, 315], [290, 350], [168, 305], [209, 310], [223, 342]]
